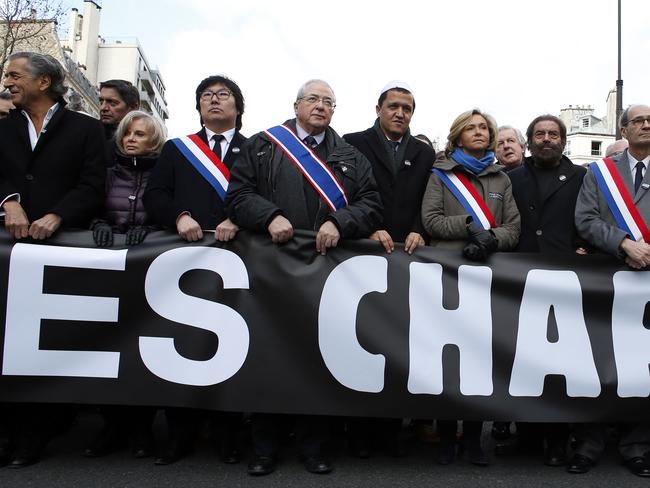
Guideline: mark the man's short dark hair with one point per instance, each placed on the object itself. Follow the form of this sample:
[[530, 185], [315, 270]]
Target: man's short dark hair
[[232, 86], [5, 95], [542, 118], [383, 96], [125, 90]]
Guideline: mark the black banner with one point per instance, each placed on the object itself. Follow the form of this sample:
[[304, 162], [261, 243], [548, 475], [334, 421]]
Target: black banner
[[252, 326]]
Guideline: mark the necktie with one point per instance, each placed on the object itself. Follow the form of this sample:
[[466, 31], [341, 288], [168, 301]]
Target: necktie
[[217, 138], [638, 177], [310, 142], [393, 145]]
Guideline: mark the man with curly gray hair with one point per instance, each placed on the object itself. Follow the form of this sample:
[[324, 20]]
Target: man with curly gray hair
[[52, 176]]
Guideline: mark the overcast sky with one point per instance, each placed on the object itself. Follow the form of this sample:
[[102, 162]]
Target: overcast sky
[[513, 59]]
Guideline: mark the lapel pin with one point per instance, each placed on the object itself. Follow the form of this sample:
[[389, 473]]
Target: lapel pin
[[235, 150], [344, 169], [407, 163], [645, 186], [562, 177]]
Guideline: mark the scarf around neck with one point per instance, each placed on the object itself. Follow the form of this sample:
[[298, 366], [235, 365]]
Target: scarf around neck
[[470, 162]]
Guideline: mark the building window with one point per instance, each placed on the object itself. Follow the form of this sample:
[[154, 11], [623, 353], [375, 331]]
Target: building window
[[585, 122], [595, 148], [567, 148]]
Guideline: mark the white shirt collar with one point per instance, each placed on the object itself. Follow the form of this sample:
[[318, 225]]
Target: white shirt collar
[[632, 161], [228, 135], [302, 133], [33, 136], [225, 142]]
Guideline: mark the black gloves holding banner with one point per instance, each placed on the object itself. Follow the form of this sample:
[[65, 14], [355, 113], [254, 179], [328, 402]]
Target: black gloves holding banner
[[480, 243], [103, 234]]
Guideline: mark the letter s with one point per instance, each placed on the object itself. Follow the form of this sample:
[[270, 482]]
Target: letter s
[[165, 298]]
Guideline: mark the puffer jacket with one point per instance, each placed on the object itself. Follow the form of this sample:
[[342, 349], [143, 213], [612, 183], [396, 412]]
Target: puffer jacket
[[265, 183], [125, 185], [444, 218]]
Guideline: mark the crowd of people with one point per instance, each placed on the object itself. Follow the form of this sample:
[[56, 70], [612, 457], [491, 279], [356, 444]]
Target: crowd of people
[[61, 169]]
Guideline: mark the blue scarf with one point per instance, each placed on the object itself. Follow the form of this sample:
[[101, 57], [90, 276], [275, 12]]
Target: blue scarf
[[470, 162]]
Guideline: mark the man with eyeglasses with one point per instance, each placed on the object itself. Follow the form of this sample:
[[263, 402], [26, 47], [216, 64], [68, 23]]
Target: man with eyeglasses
[[596, 223], [269, 193], [186, 192]]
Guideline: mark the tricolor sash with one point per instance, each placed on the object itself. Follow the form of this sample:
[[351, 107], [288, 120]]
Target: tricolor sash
[[467, 195], [315, 170], [619, 200], [205, 161]]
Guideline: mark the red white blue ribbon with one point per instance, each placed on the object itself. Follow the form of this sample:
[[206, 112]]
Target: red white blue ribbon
[[205, 161], [619, 200], [467, 195], [315, 170]]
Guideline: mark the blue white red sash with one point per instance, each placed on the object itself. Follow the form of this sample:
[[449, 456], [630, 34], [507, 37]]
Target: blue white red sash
[[315, 170], [467, 195], [619, 201], [205, 161]]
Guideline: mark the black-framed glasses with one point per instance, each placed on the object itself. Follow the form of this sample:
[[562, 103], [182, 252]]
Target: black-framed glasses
[[638, 121], [222, 95], [313, 99]]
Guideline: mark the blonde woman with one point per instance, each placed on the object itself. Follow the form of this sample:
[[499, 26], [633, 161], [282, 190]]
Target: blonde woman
[[465, 178]]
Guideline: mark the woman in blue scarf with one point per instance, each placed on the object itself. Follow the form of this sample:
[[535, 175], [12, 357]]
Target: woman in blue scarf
[[468, 206]]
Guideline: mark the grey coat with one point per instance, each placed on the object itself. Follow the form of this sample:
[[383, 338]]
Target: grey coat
[[595, 221], [444, 218]]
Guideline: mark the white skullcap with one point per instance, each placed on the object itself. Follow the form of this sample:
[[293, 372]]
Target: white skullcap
[[396, 84]]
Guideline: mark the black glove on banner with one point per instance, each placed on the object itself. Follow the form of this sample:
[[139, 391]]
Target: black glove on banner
[[103, 234], [481, 242], [135, 235]]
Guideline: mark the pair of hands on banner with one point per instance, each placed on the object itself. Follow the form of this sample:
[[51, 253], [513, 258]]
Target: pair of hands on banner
[[190, 230], [637, 254], [17, 223], [480, 243], [413, 240], [103, 234], [281, 230]]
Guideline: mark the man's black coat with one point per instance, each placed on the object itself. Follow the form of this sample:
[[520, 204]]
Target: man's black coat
[[175, 186], [547, 224], [65, 172], [401, 192]]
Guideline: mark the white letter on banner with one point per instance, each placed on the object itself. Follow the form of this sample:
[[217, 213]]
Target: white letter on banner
[[631, 339], [536, 357], [432, 327], [349, 363], [165, 298], [27, 305]]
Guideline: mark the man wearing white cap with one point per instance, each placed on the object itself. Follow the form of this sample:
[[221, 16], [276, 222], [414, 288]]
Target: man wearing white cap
[[401, 165]]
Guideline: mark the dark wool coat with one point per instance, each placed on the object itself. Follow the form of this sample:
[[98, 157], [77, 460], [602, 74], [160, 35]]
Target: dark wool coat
[[401, 192], [175, 186], [65, 172]]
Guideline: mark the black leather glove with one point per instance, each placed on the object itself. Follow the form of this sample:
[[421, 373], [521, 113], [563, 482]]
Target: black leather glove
[[103, 234], [135, 235], [474, 252], [482, 238]]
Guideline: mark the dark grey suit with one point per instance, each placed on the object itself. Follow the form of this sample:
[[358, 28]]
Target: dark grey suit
[[596, 224], [595, 221]]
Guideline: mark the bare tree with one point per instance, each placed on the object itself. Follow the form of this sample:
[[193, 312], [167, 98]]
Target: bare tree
[[23, 23]]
